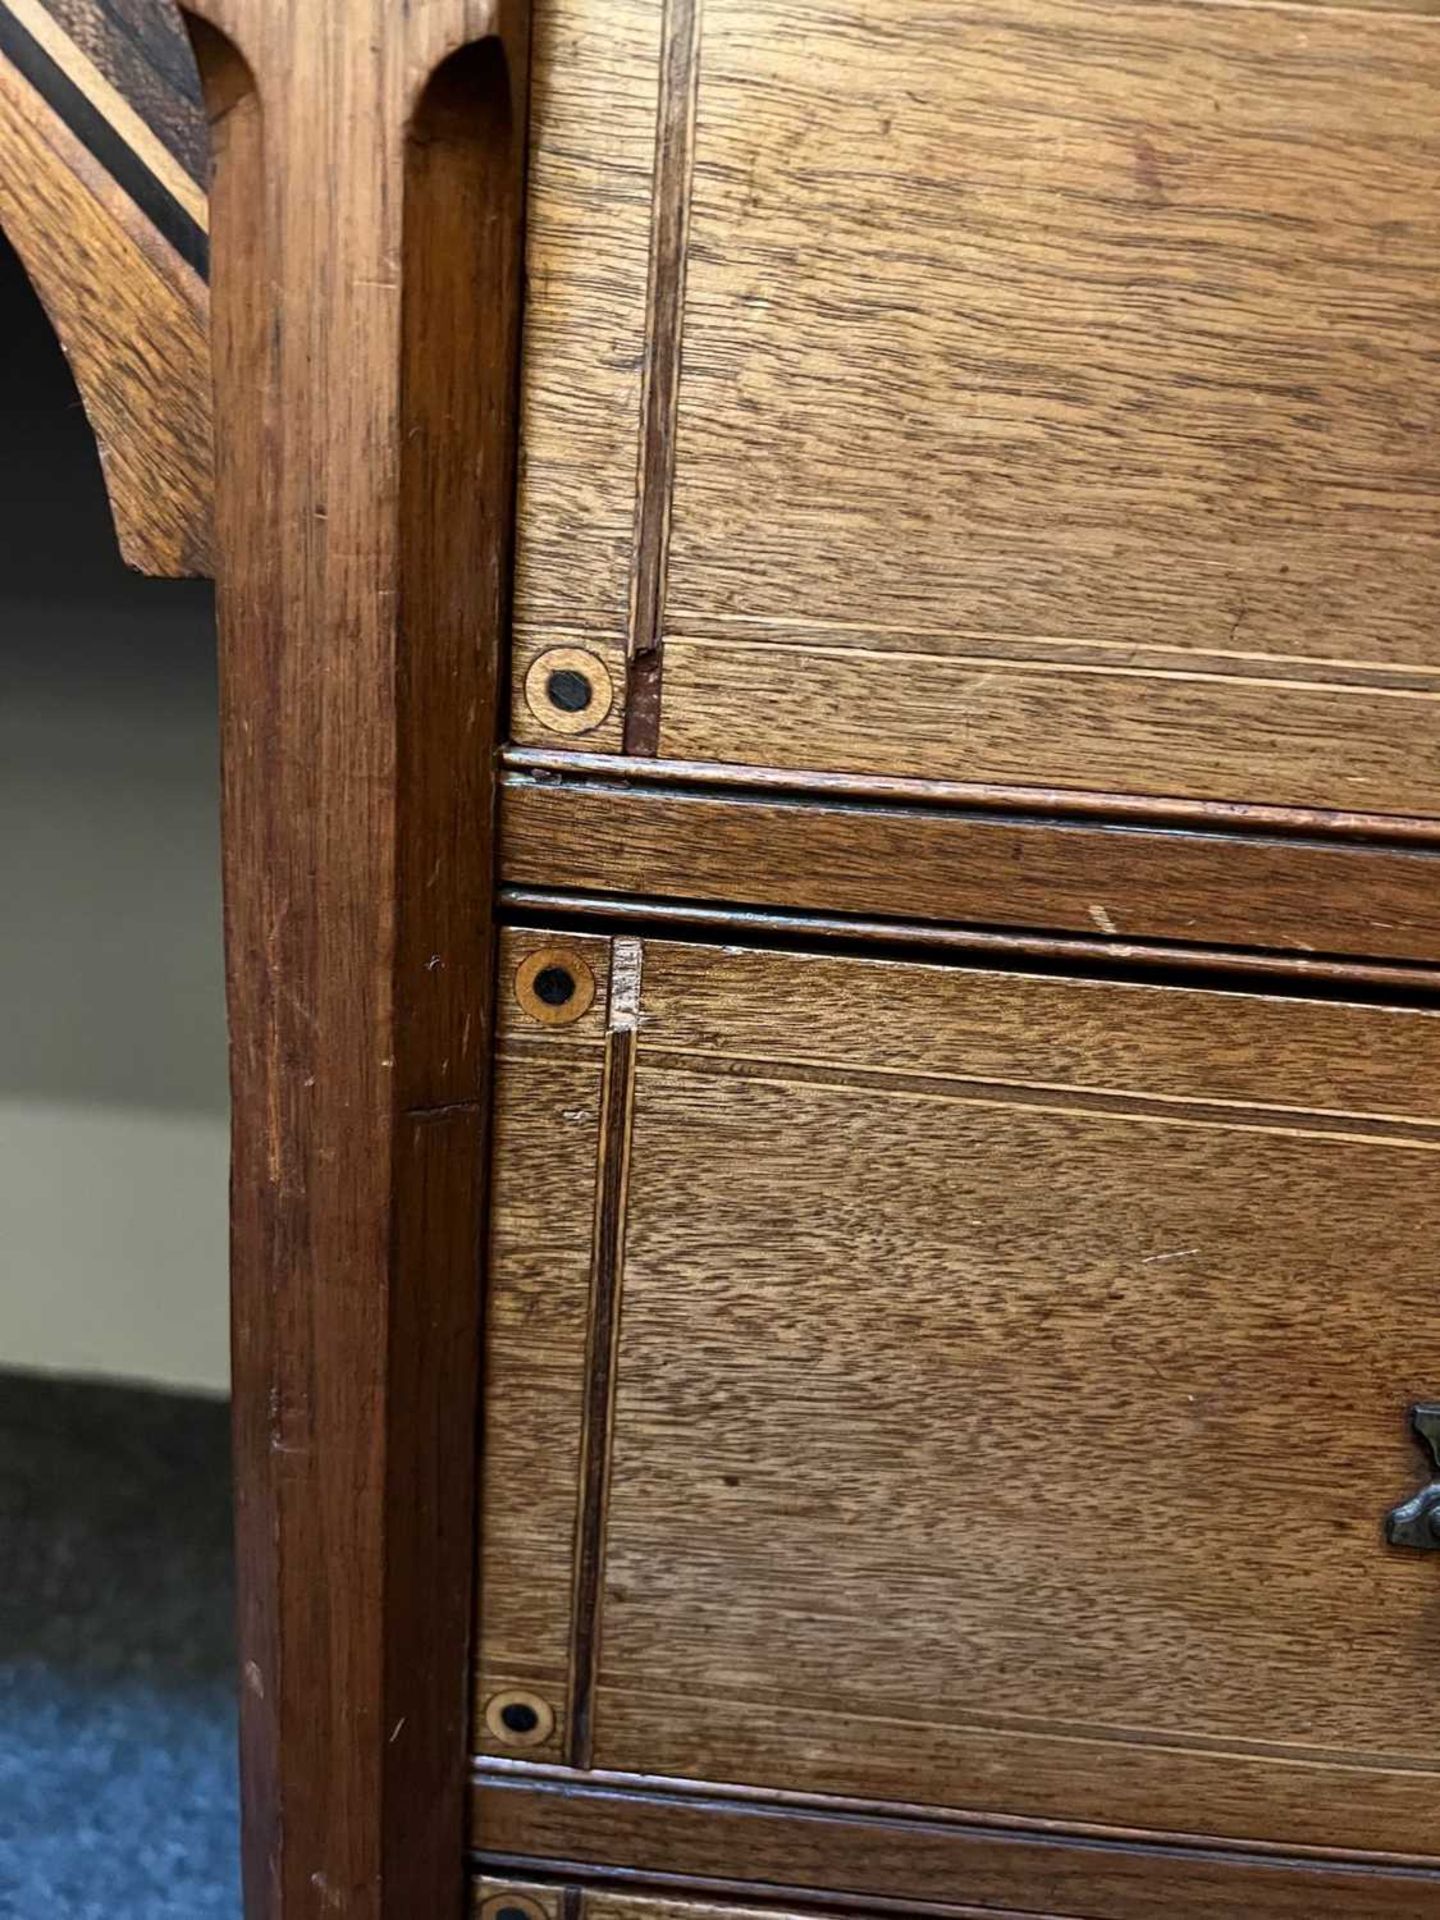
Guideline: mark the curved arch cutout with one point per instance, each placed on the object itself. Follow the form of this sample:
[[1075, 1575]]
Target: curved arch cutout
[[103, 145]]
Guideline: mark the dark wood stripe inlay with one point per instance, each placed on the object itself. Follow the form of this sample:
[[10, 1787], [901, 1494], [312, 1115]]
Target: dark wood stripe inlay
[[617, 1113], [104, 143], [142, 49], [670, 234]]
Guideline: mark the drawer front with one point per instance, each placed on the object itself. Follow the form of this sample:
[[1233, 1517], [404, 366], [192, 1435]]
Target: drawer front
[[1035, 394], [929, 1385], [503, 1899]]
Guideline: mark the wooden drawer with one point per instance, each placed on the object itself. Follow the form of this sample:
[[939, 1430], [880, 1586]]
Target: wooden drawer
[[497, 1899], [1038, 394], [932, 1386]]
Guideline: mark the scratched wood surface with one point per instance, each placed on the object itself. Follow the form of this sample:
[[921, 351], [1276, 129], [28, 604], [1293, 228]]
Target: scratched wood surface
[[1031, 394], [1011, 1382]]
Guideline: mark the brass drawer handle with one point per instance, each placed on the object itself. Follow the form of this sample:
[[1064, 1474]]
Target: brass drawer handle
[[1416, 1522]]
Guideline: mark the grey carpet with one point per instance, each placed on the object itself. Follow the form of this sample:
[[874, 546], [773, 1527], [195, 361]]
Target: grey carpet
[[117, 1736]]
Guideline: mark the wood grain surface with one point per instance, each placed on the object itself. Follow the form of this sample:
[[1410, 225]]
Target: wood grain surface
[[1012, 1380], [1089, 450], [366, 209], [539, 1900], [901, 939], [140, 50], [548, 1117], [592, 154], [941, 866], [580, 759], [846, 1860], [102, 151], [615, 1904], [936, 1398], [1142, 729], [123, 78], [1140, 359], [1255, 1050]]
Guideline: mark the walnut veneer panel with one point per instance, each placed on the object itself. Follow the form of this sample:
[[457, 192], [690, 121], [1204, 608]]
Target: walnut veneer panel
[[1001, 1384], [1033, 394]]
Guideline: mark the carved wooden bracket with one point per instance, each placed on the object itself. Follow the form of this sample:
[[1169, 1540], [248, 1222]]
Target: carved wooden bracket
[[103, 158]]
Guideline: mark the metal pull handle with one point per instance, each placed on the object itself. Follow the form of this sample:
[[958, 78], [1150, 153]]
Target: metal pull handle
[[1416, 1522]]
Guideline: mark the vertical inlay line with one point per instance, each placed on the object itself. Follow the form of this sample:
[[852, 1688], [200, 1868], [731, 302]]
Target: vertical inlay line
[[664, 329], [607, 1260]]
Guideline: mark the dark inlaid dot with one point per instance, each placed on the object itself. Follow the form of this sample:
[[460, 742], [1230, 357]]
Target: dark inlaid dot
[[518, 1718], [511, 1913], [555, 985], [569, 690]]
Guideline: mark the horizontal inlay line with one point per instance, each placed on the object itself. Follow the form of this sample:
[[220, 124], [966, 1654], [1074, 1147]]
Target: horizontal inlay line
[[522, 1049], [778, 628], [1417, 16], [990, 665], [1142, 1109], [1082, 1733]]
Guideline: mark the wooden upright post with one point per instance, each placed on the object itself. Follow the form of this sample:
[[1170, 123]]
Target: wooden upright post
[[366, 217]]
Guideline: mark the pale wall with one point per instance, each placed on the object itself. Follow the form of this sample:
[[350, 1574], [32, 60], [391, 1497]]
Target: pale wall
[[112, 1071]]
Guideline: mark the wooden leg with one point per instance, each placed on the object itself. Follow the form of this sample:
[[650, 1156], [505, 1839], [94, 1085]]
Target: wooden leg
[[366, 222]]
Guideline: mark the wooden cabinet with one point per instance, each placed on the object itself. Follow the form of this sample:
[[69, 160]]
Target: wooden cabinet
[[915, 1384], [914, 617]]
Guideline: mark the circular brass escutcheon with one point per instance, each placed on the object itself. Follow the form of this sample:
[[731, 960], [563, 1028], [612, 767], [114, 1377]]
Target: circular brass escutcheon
[[568, 690], [519, 1719], [554, 986], [513, 1906]]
